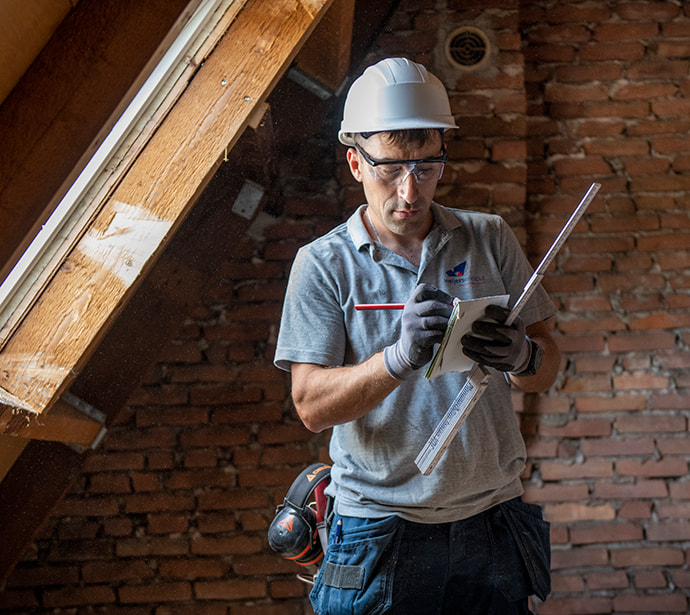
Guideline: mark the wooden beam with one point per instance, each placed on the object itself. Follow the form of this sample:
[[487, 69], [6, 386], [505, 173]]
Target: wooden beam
[[65, 422], [11, 402], [29, 493], [61, 331], [10, 450], [326, 55]]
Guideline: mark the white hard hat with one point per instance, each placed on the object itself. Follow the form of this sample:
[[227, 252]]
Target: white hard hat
[[395, 94]]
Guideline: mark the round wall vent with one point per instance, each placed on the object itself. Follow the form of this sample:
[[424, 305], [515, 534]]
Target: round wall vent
[[468, 48]]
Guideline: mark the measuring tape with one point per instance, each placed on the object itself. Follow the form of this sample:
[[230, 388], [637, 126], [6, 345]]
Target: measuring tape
[[478, 378]]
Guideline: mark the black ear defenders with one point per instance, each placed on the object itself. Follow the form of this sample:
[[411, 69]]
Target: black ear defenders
[[294, 531]]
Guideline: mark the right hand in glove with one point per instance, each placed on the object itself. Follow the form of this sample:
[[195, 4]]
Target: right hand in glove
[[423, 323]]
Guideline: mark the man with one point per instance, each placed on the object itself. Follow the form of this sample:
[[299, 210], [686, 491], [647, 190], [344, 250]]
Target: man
[[459, 540]]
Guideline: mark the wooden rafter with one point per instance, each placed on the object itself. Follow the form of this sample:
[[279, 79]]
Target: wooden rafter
[[57, 336]]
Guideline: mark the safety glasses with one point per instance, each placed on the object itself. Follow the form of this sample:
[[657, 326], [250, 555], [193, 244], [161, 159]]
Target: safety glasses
[[396, 171]]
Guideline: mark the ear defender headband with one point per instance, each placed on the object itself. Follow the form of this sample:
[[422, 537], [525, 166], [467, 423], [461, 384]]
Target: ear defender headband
[[294, 532]]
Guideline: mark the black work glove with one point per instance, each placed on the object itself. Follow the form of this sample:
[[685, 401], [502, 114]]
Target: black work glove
[[423, 323], [491, 342]]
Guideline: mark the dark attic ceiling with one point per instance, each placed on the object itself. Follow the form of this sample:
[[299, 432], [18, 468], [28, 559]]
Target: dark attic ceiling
[[66, 77]]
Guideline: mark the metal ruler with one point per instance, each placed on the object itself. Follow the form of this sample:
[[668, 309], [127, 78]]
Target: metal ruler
[[478, 378], [430, 455]]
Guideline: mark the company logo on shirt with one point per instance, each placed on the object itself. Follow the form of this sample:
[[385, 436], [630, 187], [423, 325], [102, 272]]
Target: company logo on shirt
[[458, 276], [458, 271]]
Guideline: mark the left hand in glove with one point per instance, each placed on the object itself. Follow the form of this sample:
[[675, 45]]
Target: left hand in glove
[[491, 342]]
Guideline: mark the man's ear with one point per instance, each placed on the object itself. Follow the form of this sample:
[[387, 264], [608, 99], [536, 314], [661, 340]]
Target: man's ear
[[355, 163]]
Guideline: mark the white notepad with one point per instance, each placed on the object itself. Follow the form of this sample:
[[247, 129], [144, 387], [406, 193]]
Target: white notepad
[[449, 356]]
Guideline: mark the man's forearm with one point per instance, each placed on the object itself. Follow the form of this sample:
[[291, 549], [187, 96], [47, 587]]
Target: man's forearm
[[327, 396]]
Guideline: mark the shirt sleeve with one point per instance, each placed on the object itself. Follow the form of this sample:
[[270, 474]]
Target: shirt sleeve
[[312, 327]]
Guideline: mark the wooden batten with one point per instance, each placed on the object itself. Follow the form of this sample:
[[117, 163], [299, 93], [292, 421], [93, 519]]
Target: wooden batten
[[63, 328], [63, 423]]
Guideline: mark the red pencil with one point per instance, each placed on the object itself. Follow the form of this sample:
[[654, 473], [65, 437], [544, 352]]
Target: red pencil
[[379, 306]]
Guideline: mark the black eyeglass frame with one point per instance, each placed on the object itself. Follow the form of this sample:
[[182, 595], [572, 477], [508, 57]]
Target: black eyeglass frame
[[443, 158]]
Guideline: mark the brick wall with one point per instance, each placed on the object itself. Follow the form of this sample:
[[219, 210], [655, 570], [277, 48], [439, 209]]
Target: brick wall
[[170, 514], [607, 86]]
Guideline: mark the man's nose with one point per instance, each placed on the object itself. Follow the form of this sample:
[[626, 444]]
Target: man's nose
[[408, 188]]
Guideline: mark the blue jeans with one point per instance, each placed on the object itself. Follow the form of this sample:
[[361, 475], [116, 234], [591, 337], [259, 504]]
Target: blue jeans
[[488, 564]]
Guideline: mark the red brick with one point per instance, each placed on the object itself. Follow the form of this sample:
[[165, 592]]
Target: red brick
[[597, 363], [201, 478], [167, 524], [110, 483], [158, 502], [625, 31], [216, 436], [280, 434], [193, 568], [591, 165], [567, 583], [606, 533], [78, 596], [281, 589], [40, 576], [154, 592], [617, 447], [558, 470], [578, 428], [101, 462], [111, 572], [669, 603], [555, 493], [577, 606], [629, 491], [263, 564], [635, 510], [587, 384], [623, 558], [235, 545], [652, 468], [639, 381], [622, 51], [582, 557], [212, 523], [678, 531], [658, 423], [230, 590], [233, 499], [148, 546], [642, 11], [272, 609], [621, 342], [171, 415], [673, 510], [100, 507], [576, 13]]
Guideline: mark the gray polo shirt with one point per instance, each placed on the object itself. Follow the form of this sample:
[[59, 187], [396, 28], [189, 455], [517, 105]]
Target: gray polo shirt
[[466, 254]]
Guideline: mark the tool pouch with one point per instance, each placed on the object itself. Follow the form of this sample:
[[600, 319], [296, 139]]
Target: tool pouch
[[531, 534]]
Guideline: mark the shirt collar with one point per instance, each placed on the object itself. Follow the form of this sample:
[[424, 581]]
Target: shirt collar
[[360, 236]]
